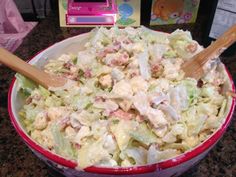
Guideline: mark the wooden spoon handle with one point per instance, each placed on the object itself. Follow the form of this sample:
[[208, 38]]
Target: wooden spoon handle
[[216, 48], [194, 67], [28, 70]]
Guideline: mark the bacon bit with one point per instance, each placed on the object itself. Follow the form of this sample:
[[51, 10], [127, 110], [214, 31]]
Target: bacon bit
[[117, 45], [140, 118], [156, 70], [78, 146], [133, 74], [199, 83], [67, 65], [101, 54], [64, 120], [110, 49], [77, 78], [126, 55], [88, 73], [123, 59], [47, 117], [113, 136], [70, 76], [77, 128], [104, 53], [122, 114], [128, 41], [115, 62], [63, 123], [191, 48], [99, 99]]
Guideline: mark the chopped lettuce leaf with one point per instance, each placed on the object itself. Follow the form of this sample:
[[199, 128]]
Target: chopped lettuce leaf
[[44, 92], [222, 109], [154, 155], [192, 89], [62, 145], [122, 130], [95, 153], [144, 65], [143, 134], [170, 54], [138, 155], [179, 40], [153, 37], [25, 84]]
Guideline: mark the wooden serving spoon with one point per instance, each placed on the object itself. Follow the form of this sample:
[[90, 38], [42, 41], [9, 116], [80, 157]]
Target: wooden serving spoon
[[194, 67], [33, 73]]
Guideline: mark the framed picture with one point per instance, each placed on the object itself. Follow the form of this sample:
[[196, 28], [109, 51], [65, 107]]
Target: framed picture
[[174, 11]]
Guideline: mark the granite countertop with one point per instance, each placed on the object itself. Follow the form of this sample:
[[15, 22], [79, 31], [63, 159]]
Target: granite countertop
[[16, 160]]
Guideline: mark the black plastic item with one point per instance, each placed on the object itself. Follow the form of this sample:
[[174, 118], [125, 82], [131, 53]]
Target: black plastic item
[[31, 16], [45, 8], [146, 6], [231, 51], [54, 5]]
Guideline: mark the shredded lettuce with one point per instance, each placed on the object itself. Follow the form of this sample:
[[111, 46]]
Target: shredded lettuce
[[143, 134], [136, 155], [222, 109], [154, 155], [62, 145], [44, 92], [122, 130], [192, 90], [143, 64], [170, 54], [25, 84], [179, 40], [153, 37], [95, 153]]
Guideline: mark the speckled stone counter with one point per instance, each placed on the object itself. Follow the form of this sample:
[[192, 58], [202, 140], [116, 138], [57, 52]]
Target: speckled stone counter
[[16, 160]]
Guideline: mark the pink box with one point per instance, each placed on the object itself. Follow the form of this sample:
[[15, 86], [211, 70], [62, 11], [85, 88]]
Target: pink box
[[91, 12]]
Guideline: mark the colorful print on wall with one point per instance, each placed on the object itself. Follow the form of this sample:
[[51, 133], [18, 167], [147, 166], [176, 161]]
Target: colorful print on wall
[[174, 11], [128, 12]]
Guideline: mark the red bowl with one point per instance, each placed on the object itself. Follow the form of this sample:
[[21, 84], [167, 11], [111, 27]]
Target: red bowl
[[169, 167]]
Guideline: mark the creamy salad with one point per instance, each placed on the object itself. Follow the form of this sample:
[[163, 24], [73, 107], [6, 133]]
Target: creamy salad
[[127, 102]]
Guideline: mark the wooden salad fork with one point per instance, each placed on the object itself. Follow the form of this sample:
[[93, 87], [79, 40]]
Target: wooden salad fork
[[42, 78], [194, 67]]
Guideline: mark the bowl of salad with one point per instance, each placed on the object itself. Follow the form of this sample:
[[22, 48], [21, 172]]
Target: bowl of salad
[[127, 109]]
